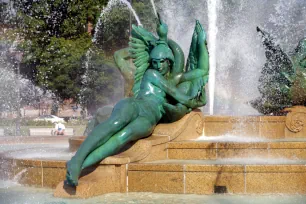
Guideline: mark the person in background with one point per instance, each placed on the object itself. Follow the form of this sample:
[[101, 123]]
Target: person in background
[[59, 129]]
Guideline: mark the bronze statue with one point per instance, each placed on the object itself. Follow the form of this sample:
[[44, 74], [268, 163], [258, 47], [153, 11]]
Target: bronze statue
[[283, 78], [162, 90]]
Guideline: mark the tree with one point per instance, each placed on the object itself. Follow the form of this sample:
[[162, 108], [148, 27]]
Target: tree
[[112, 33], [114, 29], [4, 13], [102, 82], [55, 41], [144, 10]]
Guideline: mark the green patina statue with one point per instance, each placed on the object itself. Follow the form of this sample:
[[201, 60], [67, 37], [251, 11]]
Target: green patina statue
[[163, 90], [283, 78]]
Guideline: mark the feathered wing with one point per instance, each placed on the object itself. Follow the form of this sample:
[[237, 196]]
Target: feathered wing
[[278, 62], [193, 54], [198, 59], [140, 45], [298, 88], [276, 78]]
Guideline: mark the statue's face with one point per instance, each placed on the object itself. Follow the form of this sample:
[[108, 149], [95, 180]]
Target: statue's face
[[161, 65]]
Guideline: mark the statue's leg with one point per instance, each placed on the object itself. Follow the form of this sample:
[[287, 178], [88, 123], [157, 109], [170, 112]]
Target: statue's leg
[[137, 129], [124, 112]]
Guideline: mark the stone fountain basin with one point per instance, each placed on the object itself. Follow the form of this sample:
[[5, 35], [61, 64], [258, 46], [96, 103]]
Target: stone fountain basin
[[40, 161], [34, 161]]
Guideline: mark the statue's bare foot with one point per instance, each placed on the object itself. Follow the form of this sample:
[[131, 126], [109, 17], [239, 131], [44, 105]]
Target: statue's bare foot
[[73, 173]]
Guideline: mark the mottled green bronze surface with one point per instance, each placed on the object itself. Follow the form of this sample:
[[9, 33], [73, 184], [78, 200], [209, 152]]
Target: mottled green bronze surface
[[162, 91], [283, 78]]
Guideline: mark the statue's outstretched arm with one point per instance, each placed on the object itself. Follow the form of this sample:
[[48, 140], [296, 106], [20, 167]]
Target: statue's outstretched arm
[[174, 112], [189, 76]]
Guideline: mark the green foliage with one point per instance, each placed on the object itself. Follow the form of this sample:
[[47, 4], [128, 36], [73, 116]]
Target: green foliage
[[55, 41], [102, 84], [26, 122], [114, 31], [146, 14], [3, 12], [60, 66]]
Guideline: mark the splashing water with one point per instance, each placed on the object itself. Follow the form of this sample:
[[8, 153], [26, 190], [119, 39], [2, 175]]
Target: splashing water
[[132, 10], [17, 177], [154, 8], [230, 138], [212, 45], [108, 8]]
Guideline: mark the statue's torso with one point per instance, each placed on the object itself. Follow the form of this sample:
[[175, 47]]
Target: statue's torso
[[151, 99]]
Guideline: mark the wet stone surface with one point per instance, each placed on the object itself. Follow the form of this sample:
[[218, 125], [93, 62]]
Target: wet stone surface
[[12, 193]]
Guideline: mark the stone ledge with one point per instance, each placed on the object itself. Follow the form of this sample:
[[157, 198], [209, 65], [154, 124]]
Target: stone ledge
[[192, 178], [33, 139], [289, 126], [215, 150], [269, 144]]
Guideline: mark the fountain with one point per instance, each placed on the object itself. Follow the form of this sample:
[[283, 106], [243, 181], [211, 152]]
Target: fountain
[[235, 150], [213, 30]]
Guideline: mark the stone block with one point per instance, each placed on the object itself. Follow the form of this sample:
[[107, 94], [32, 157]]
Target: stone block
[[192, 154], [51, 177], [31, 176], [94, 181], [276, 182], [207, 182], [157, 182]]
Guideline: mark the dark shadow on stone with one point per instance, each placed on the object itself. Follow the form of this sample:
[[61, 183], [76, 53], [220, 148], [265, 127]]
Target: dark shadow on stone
[[88, 170], [126, 147], [71, 190], [220, 189]]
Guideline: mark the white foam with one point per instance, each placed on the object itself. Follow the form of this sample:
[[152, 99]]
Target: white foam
[[8, 184], [230, 138]]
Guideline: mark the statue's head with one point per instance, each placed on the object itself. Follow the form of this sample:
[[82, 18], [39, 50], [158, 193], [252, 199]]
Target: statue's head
[[161, 58]]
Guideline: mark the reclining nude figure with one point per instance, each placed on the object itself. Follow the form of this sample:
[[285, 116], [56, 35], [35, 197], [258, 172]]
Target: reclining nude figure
[[161, 88]]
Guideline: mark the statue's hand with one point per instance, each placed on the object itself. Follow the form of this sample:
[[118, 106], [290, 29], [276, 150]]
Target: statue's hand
[[175, 112], [198, 101], [200, 33], [177, 109]]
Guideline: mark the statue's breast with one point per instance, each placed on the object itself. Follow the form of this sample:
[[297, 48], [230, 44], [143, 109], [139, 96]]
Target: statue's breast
[[147, 87]]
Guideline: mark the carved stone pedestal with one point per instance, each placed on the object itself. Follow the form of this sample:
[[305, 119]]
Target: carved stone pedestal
[[296, 122], [111, 174]]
